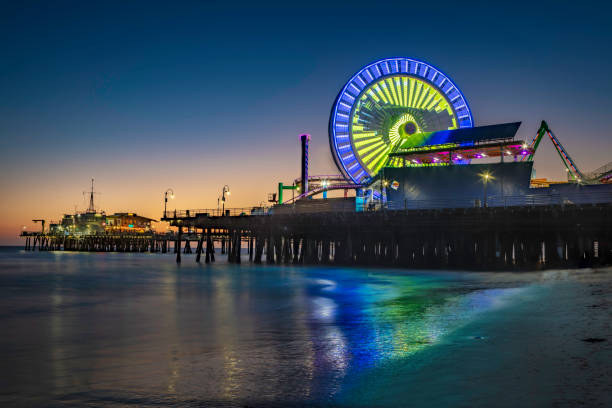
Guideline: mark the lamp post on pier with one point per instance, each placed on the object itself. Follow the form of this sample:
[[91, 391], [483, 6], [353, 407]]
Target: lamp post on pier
[[383, 193], [486, 177], [166, 200], [325, 184], [226, 190]]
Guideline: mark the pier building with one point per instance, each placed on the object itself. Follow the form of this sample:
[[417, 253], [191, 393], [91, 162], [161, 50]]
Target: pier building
[[128, 222], [84, 223]]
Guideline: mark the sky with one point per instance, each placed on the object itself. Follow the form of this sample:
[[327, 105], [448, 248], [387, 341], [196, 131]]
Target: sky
[[145, 96]]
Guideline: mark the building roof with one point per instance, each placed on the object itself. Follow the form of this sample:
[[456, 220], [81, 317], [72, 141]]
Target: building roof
[[125, 214], [464, 136]]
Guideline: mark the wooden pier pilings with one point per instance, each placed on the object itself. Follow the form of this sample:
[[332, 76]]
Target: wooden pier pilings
[[521, 238], [469, 238], [97, 242]]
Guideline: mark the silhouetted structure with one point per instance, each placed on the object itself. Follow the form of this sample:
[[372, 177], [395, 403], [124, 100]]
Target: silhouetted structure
[[465, 238]]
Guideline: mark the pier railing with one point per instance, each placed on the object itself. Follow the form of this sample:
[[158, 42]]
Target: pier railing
[[504, 201], [215, 212], [442, 203]]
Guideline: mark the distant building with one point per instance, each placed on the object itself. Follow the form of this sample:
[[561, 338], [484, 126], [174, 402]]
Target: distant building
[[128, 222], [80, 224], [99, 223]]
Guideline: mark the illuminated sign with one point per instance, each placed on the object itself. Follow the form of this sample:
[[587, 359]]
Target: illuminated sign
[[390, 103]]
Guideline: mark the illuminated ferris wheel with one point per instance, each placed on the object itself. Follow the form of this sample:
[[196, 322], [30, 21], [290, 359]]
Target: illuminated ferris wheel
[[387, 103]]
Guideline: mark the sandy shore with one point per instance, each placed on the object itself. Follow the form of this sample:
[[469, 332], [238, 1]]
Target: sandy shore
[[551, 346]]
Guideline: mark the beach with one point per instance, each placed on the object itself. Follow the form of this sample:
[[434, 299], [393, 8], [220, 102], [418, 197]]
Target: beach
[[551, 349], [103, 329]]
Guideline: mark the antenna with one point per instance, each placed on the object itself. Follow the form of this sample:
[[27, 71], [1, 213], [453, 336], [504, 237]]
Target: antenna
[[91, 208], [91, 200]]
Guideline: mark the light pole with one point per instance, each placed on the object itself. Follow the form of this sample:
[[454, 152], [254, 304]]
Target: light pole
[[486, 176], [383, 183], [166, 199], [226, 190], [383, 193]]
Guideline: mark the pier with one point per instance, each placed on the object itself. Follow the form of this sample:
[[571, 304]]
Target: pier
[[499, 238], [99, 242], [483, 238]]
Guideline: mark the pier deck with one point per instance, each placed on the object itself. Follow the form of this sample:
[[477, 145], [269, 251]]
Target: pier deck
[[528, 237], [495, 238]]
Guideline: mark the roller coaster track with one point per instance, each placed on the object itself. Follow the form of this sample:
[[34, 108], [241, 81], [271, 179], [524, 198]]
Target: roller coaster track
[[321, 189], [569, 164]]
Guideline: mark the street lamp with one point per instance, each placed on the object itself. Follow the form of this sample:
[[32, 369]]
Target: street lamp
[[166, 199], [226, 190], [383, 192], [486, 177]]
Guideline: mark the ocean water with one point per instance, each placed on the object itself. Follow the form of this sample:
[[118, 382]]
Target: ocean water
[[103, 329]]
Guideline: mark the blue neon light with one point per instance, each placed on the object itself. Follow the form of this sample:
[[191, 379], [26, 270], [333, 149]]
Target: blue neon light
[[342, 148]]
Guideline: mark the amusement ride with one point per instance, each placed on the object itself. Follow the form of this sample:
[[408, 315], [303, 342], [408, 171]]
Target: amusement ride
[[402, 112]]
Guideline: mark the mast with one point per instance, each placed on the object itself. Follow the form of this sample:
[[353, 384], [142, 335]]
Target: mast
[[91, 208]]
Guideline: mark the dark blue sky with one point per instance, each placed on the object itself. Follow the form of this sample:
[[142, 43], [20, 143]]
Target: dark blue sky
[[161, 92]]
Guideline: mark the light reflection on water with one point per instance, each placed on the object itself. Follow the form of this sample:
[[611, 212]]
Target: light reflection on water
[[135, 328]]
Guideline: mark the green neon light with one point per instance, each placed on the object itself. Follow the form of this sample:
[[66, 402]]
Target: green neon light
[[282, 187], [401, 149], [398, 111]]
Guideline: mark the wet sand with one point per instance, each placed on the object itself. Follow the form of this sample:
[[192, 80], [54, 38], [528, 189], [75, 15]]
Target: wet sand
[[552, 349]]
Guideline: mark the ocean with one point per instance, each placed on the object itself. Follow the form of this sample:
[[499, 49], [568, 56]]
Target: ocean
[[108, 329]]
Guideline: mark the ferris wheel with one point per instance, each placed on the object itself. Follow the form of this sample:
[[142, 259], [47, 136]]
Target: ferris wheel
[[390, 102]]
